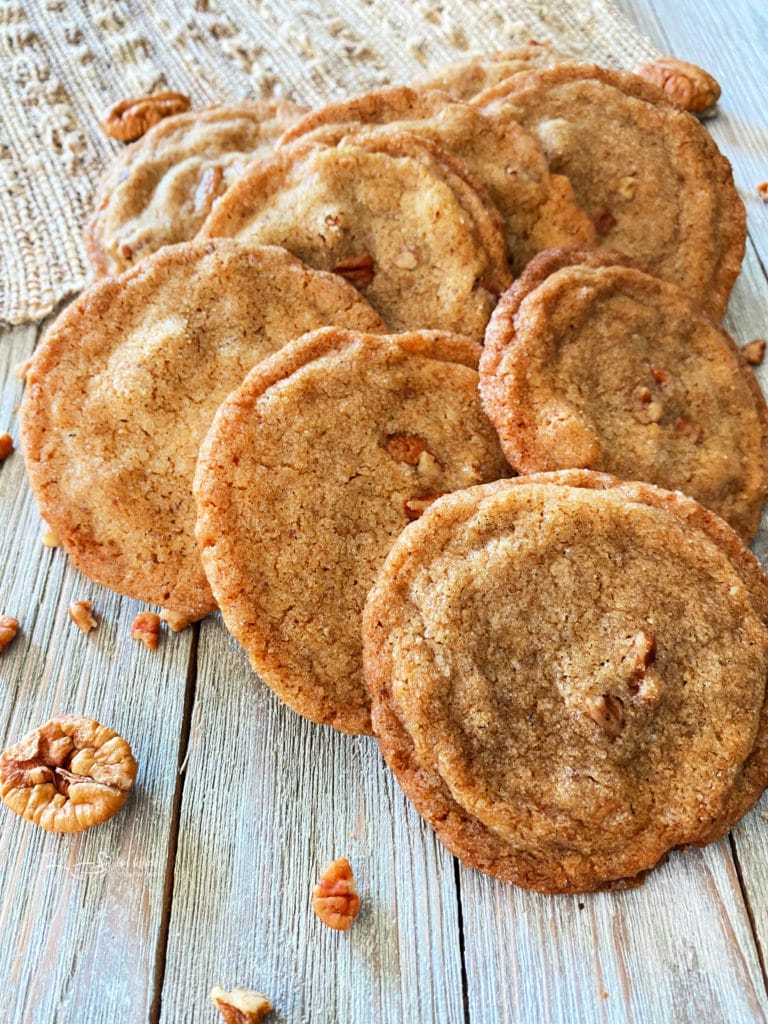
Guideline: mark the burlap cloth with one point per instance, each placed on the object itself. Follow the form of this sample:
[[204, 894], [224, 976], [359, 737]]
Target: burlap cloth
[[63, 61]]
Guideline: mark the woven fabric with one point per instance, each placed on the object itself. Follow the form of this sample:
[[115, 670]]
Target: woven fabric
[[63, 61]]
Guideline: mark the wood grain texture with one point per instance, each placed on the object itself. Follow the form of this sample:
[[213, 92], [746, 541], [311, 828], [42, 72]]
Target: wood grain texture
[[269, 800], [79, 915]]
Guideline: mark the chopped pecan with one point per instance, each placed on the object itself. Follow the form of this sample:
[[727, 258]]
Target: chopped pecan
[[660, 376], [358, 270], [9, 627], [604, 221], [209, 188], [146, 627], [414, 508], [762, 191], [128, 119], [240, 1006], [334, 898], [68, 775], [50, 539], [607, 711], [6, 446], [689, 85], [405, 448], [80, 613], [754, 351], [643, 654], [175, 621], [687, 428]]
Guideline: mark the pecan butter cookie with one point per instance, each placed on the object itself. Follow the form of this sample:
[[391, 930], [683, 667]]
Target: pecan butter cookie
[[591, 363], [568, 676], [538, 208], [160, 189], [655, 183], [125, 385], [310, 471], [398, 216]]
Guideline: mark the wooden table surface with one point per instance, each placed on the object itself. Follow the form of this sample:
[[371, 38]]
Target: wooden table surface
[[205, 877]]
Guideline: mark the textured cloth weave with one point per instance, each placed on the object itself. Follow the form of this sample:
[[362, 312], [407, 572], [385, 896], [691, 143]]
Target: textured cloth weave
[[63, 61]]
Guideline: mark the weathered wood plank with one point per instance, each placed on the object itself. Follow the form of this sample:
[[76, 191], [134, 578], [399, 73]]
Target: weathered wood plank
[[269, 799], [79, 915]]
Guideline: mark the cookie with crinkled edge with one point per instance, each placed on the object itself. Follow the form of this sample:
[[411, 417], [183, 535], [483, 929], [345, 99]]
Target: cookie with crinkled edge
[[538, 208], [568, 676], [160, 189], [649, 174], [309, 472], [466, 78], [398, 216], [591, 363], [124, 388]]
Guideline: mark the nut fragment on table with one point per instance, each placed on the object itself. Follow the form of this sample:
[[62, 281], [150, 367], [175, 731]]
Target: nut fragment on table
[[50, 539], [334, 898], [68, 775], [754, 351], [128, 119], [9, 627], [81, 614], [689, 85], [762, 191], [175, 620], [240, 1006], [6, 445], [146, 627]]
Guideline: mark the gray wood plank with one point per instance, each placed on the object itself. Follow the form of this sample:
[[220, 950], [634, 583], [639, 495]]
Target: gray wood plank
[[80, 916], [269, 799]]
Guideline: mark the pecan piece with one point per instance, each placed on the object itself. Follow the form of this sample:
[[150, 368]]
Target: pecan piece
[[9, 627], [414, 508], [50, 539], [689, 85], [6, 446], [762, 191], [334, 898], [208, 190], [358, 270], [146, 627], [175, 621], [607, 711], [754, 351], [643, 653], [68, 775], [604, 221], [405, 448], [128, 119], [240, 1006], [687, 428], [81, 614]]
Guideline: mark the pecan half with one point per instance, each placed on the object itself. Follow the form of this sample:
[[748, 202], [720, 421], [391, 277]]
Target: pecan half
[[414, 508], [68, 775], [358, 270], [607, 711], [6, 446], [128, 119], [240, 1006], [9, 627], [689, 85], [334, 898], [754, 351], [81, 614], [146, 627]]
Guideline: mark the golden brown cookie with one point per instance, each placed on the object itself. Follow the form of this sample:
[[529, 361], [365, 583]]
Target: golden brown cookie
[[538, 208], [467, 78], [160, 189], [655, 183], [125, 385], [398, 216], [310, 471], [590, 363], [568, 676]]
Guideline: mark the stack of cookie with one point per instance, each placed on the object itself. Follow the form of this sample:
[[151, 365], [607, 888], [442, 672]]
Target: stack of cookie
[[566, 672]]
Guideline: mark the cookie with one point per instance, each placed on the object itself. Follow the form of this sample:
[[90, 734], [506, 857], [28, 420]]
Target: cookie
[[650, 175], [538, 208], [310, 471], [160, 189], [467, 78], [126, 384], [398, 216], [591, 363], [568, 676]]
